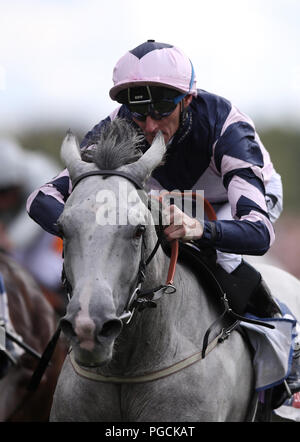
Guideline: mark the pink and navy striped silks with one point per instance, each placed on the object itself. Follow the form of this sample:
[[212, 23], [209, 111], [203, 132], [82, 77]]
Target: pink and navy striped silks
[[216, 149]]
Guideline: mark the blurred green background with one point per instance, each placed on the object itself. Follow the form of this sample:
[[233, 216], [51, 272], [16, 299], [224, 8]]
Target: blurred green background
[[284, 148]]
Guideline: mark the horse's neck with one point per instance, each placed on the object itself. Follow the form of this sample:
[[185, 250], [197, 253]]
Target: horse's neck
[[186, 313]]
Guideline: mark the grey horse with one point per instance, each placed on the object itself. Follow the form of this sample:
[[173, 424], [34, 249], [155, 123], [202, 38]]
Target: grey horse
[[140, 370]]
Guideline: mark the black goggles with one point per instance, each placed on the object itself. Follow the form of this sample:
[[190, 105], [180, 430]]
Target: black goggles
[[157, 110], [154, 106]]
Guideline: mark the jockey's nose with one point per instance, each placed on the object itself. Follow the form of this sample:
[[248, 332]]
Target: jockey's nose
[[151, 126]]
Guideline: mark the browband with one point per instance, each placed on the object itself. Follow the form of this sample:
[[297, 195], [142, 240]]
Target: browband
[[136, 183]]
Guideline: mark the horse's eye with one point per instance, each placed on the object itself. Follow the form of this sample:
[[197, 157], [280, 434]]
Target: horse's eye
[[139, 231]]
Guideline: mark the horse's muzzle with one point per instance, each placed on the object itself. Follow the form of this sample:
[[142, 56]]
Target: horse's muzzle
[[92, 340]]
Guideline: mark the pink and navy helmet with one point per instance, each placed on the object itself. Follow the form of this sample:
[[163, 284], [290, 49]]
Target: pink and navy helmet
[[154, 64]]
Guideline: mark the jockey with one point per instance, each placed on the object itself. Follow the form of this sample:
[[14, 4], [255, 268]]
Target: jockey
[[211, 145]]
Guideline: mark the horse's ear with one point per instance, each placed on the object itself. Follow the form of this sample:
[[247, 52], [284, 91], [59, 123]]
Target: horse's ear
[[70, 150], [155, 154], [152, 158], [71, 156]]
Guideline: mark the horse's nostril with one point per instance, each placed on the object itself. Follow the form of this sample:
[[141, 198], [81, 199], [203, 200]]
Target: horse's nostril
[[111, 329], [67, 328]]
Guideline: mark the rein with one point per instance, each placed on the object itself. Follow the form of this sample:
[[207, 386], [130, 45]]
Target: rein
[[141, 299]]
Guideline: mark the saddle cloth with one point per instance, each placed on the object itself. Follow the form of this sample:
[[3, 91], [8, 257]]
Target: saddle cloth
[[273, 348]]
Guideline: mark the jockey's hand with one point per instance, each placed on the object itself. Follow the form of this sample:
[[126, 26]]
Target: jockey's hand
[[181, 226]]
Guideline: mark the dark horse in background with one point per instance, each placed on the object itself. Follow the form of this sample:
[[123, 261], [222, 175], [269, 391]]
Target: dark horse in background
[[34, 321]]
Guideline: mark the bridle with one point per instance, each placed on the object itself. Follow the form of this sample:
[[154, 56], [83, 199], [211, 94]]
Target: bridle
[[142, 299], [139, 299]]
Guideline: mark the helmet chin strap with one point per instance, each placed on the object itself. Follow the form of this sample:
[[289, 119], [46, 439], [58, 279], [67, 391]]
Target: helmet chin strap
[[183, 112]]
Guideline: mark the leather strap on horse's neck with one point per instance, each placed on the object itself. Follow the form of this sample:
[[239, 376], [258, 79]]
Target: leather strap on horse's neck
[[146, 296], [208, 209]]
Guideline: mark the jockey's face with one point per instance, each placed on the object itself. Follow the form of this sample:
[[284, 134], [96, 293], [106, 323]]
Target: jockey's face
[[168, 125]]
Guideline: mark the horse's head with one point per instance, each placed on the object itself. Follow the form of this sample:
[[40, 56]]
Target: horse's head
[[102, 225]]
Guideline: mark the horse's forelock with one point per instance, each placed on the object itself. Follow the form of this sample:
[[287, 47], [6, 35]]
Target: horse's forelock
[[117, 145]]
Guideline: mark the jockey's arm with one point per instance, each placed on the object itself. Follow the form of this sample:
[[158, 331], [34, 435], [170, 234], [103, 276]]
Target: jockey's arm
[[254, 192], [46, 204]]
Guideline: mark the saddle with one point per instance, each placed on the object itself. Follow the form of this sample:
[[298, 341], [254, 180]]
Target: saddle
[[244, 287]]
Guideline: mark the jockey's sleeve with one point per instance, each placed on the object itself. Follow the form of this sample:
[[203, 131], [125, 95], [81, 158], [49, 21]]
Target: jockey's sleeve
[[46, 204], [22, 231], [246, 170]]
